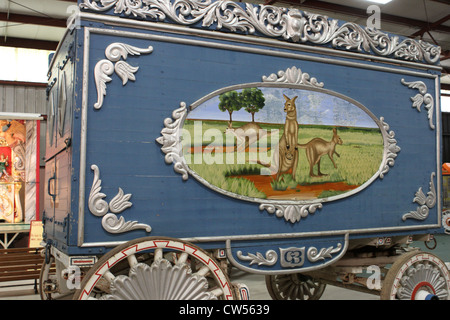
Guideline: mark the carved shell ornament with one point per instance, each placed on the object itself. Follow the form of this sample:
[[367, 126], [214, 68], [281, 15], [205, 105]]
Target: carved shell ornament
[[271, 21]]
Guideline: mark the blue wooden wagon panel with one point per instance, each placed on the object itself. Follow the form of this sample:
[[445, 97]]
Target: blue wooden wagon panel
[[138, 85]]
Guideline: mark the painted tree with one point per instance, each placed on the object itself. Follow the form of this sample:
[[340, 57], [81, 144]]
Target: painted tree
[[230, 101], [253, 100]]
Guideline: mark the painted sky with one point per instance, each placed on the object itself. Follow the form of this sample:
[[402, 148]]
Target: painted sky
[[312, 108]]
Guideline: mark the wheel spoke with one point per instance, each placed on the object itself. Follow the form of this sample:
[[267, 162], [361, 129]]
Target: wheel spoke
[[202, 271], [132, 261], [182, 258], [217, 292], [158, 254], [108, 276]]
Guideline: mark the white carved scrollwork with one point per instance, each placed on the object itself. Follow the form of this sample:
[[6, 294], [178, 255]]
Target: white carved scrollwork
[[425, 202], [391, 149], [293, 76], [171, 141], [99, 207], [96, 204], [105, 67], [291, 213], [269, 260], [315, 255], [113, 224], [271, 21], [290, 257], [421, 98]]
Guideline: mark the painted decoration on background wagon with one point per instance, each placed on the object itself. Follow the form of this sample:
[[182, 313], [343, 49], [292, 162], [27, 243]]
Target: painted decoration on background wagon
[[282, 143]]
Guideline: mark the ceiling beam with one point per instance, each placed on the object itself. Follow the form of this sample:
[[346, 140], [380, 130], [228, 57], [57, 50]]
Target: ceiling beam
[[28, 43], [38, 20], [431, 26], [316, 4]]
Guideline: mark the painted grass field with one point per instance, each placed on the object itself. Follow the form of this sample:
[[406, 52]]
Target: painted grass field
[[205, 149]]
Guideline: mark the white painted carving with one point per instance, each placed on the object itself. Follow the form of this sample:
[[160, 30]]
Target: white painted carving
[[390, 150], [315, 255], [171, 141], [113, 224], [421, 98], [96, 204], [120, 202], [272, 21], [99, 207], [291, 213], [293, 76], [425, 202], [105, 67], [269, 260]]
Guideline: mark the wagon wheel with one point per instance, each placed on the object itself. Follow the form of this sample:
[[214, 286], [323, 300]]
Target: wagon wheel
[[416, 275], [48, 280], [294, 286], [147, 268]]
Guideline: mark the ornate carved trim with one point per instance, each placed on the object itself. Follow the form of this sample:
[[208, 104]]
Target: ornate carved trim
[[314, 255], [297, 254], [271, 21], [292, 213], [425, 202], [99, 207], [293, 76], [171, 141], [421, 98], [391, 149], [269, 260], [105, 67]]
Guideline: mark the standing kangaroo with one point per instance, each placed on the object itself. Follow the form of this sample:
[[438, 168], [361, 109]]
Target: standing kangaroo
[[316, 148], [286, 157]]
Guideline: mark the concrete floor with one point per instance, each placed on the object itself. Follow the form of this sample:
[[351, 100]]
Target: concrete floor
[[256, 284]]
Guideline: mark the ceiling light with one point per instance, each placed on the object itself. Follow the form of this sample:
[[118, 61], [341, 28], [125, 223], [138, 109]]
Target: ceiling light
[[379, 1]]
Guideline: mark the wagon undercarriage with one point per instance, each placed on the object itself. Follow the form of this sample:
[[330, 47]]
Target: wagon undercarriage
[[171, 269]]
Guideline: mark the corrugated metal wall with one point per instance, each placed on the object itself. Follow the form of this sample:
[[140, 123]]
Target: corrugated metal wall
[[22, 98]]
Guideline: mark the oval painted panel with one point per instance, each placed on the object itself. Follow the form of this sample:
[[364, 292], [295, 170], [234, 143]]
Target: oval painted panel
[[261, 142]]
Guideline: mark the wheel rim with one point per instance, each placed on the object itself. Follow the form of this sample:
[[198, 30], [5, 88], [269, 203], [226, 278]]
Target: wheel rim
[[294, 287], [415, 274], [48, 278], [158, 268]]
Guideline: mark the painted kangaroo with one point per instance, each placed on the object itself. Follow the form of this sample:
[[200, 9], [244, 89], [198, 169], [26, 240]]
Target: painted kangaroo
[[251, 130], [286, 157], [317, 147]]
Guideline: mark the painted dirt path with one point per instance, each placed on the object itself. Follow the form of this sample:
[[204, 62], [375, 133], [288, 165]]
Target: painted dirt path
[[300, 192]]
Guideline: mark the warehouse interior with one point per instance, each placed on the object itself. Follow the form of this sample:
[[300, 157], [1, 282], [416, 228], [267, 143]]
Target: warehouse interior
[[30, 31]]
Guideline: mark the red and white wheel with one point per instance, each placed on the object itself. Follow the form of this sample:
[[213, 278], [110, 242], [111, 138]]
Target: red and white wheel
[[156, 268], [417, 276]]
